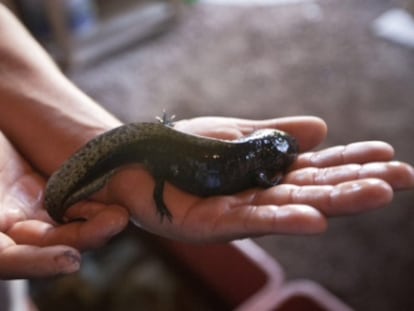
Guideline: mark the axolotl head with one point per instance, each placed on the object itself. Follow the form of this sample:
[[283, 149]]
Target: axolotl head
[[275, 151]]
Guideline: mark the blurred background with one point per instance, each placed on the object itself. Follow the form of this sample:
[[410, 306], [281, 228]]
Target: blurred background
[[344, 61]]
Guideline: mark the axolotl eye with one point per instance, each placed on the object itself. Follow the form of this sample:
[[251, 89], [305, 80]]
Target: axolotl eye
[[282, 144]]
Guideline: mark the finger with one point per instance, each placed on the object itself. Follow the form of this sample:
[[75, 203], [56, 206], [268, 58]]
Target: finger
[[309, 131], [25, 261], [225, 218], [360, 152], [342, 199], [397, 174], [101, 225], [258, 220]]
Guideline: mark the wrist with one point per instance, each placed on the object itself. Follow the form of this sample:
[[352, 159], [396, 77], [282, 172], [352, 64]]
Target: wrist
[[47, 118], [47, 128]]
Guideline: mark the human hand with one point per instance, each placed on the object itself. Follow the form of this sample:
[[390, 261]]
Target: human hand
[[336, 181], [26, 230]]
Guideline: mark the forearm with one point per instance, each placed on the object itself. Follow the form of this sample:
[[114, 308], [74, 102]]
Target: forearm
[[41, 111]]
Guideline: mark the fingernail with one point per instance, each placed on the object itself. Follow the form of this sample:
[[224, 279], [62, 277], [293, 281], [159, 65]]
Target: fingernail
[[68, 262]]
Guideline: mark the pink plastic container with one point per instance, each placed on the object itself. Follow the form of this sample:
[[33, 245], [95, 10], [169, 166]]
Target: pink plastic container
[[246, 278]]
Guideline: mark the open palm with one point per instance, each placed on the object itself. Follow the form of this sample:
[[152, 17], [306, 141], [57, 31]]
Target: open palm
[[336, 181]]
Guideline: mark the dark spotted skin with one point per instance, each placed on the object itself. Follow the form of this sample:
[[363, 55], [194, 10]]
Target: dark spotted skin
[[198, 165]]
